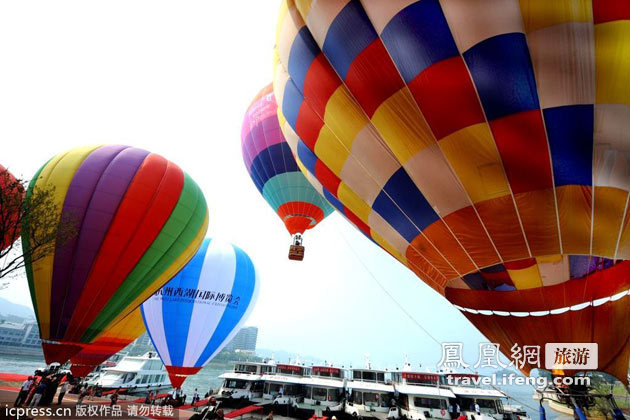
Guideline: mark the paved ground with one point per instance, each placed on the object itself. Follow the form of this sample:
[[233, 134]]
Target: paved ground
[[92, 408]]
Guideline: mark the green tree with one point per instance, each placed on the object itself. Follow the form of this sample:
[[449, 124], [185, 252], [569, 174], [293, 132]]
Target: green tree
[[36, 209]]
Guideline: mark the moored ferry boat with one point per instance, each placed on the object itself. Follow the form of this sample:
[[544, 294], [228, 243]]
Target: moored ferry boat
[[323, 392], [489, 400], [135, 374], [283, 389], [111, 362], [422, 395], [245, 383], [370, 394]]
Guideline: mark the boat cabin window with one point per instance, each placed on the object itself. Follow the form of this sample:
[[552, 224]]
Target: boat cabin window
[[266, 369], [245, 368], [485, 405], [368, 376], [489, 406], [153, 365], [257, 386], [328, 372], [322, 394], [420, 378], [287, 389], [236, 384], [424, 402], [374, 399]]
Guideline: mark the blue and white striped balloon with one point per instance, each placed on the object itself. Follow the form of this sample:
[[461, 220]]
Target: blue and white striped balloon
[[202, 308]]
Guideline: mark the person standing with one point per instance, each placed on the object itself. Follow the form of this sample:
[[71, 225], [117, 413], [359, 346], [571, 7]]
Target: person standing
[[39, 391], [195, 397], [82, 395], [114, 398], [62, 391], [24, 389], [477, 408]]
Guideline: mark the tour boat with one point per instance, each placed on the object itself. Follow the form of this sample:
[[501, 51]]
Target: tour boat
[[422, 395], [323, 393], [135, 374], [371, 394], [244, 384], [283, 390]]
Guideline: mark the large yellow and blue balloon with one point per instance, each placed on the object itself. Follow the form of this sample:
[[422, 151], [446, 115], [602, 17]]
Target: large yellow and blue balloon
[[139, 218], [202, 308], [483, 145]]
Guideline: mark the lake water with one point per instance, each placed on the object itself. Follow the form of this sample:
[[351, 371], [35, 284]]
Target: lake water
[[208, 378]]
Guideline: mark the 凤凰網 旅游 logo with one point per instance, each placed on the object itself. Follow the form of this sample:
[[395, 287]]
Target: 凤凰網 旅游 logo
[[198, 294], [571, 356]]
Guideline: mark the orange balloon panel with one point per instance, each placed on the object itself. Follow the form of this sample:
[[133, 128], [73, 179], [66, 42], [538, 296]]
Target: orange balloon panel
[[109, 343]]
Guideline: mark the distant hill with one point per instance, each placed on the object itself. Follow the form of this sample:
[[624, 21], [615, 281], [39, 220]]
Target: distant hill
[[281, 356], [10, 308]]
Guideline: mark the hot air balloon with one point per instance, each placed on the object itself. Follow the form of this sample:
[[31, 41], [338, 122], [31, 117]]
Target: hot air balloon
[[110, 342], [273, 169], [10, 208], [139, 218], [483, 145], [201, 309]]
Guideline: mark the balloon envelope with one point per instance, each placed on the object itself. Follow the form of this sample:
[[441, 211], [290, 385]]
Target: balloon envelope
[[273, 169], [486, 150], [110, 342], [202, 308], [139, 219]]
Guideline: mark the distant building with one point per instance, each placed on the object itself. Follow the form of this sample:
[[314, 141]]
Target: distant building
[[20, 339], [140, 345], [244, 340]]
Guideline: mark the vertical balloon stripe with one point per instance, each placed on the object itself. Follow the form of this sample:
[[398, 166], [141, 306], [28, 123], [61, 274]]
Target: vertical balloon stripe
[[174, 316], [174, 242], [92, 200], [108, 195], [152, 316], [26, 240], [144, 209], [62, 169], [244, 289], [218, 276]]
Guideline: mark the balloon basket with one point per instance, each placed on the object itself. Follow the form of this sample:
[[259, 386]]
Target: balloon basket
[[296, 250]]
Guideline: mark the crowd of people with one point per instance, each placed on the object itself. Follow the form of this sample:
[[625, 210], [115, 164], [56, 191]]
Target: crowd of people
[[40, 389]]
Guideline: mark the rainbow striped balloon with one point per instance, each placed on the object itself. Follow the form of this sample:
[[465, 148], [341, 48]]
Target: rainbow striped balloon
[[139, 219], [273, 169]]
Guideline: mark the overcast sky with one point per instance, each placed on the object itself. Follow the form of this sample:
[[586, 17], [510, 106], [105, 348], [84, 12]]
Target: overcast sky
[[176, 78]]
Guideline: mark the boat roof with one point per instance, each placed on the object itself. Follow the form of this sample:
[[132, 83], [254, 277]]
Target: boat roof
[[322, 382], [476, 392], [285, 379], [370, 386], [254, 363], [430, 391], [241, 376], [364, 369]]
